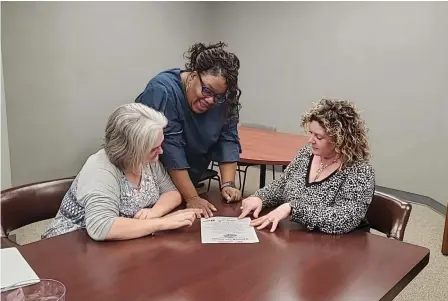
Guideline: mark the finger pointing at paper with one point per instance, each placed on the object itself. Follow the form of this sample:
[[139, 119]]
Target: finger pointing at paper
[[274, 217], [251, 204]]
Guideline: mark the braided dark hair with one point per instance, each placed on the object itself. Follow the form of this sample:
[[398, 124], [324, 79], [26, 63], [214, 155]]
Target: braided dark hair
[[214, 60]]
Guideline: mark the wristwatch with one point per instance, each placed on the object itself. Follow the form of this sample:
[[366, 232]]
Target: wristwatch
[[228, 184]]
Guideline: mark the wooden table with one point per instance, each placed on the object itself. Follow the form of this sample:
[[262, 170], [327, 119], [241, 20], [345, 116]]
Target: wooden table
[[290, 264], [445, 235], [262, 147]]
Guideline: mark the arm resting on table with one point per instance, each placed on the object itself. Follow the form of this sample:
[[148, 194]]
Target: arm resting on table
[[167, 202], [99, 190], [182, 180], [104, 223], [128, 228]]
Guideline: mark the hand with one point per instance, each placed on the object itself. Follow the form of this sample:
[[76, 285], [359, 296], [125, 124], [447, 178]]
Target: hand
[[273, 217], [231, 194], [198, 212], [147, 213], [204, 205], [176, 221], [251, 204]]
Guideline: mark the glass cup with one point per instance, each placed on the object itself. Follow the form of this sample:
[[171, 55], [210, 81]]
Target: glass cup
[[45, 290]]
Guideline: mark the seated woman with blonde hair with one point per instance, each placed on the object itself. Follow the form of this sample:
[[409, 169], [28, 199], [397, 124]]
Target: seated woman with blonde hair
[[329, 185], [123, 191]]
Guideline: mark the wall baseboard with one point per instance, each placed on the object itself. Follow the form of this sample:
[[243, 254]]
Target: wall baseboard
[[415, 198]]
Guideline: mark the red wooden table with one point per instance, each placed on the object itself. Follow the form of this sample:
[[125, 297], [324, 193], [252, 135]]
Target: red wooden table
[[263, 147], [290, 264], [445, 235]]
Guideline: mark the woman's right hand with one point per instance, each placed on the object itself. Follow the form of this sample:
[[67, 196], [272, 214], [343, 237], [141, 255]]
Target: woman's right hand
[[200, 203], [178, 220], [251, 204], [198, 212]]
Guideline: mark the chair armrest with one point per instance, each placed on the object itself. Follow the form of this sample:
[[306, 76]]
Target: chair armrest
[[6, 243]]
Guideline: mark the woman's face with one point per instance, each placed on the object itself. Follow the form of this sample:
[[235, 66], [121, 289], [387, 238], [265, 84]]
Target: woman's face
[[153, 155], [204, 91], [321, 143]]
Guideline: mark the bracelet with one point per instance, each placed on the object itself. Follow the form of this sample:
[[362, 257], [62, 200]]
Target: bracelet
[[228, 184]]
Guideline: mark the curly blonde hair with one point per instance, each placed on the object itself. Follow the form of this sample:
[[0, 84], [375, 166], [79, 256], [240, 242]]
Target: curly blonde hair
[[345, 127]]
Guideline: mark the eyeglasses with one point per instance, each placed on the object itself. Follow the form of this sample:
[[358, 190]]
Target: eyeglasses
[[207, 92]]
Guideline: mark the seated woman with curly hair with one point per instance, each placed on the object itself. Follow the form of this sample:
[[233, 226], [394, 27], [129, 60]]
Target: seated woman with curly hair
[[329, 184]]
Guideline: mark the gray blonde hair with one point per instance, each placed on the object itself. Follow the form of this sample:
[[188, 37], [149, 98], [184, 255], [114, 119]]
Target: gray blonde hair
[[342, 122], [131, 133]]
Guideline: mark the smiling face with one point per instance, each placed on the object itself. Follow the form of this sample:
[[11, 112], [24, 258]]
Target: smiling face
[[321, 143], [154, 153], [205, 91]]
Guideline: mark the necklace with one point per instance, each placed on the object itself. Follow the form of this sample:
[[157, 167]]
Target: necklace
[[322, 167], [186, 83]]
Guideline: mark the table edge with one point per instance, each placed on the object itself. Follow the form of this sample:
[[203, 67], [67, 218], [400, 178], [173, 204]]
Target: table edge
[[264, 162], [390, 295], [398, 288]]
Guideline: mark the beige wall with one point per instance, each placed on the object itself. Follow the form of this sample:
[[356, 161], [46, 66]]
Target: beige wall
[[68, 64], [5, 163], [390, 58]]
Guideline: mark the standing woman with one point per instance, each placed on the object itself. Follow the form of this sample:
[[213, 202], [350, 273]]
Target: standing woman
[[202, 106]]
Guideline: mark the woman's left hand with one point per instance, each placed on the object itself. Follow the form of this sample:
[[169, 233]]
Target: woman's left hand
[[231, 194], [147, 213], [273, 217]]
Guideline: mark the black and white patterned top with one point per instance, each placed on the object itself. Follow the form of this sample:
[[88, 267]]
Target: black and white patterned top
[[337, 204]]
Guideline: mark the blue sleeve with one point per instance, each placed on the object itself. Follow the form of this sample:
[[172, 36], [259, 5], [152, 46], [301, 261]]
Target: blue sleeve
[[228, 147], [158, 98]]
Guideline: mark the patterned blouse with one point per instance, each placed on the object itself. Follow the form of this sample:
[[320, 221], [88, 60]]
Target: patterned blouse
[[337, 204]]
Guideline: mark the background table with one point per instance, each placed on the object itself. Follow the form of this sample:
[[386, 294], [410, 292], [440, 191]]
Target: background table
[[445, 235], [262, 147], [291, 264]]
